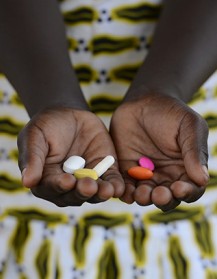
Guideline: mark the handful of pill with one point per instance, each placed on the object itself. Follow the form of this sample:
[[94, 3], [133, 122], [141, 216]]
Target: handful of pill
[[75, 165], [144, 170]]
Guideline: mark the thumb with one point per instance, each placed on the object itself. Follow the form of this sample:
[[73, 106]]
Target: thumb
[[32, 153], [193, 143], [196, 171]]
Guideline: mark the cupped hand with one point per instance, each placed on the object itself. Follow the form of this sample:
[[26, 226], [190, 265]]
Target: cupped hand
[[174, 137], [49, 139]]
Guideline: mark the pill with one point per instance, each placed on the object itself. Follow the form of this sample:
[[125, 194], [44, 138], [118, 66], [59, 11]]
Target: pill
[[73, 163], [104, 165], [140, 173], [82, 173], [147, 163]]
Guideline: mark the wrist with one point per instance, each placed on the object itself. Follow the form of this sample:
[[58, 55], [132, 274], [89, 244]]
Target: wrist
[[149, 79], [57, 104], [62, 92], [61, 105], [142, 91]]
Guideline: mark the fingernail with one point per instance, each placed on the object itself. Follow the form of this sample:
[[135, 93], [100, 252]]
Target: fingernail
[[23, 172], [205, 170]]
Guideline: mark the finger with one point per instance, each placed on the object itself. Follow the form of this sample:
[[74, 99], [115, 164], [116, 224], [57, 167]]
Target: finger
[[130, 186], [64, 190], [193, 142], [129, 182], [142, 194], [84, 190], [186, 191], [53, 186], [162, 198], [115, 179], [114, 176], [88, 190], [128, 196], [105, 192], [32, 153]]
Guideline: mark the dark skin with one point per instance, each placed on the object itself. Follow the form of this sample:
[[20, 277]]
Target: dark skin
[[37, 49], [56, 134], [173, 135], [180, 173], [159, 124]]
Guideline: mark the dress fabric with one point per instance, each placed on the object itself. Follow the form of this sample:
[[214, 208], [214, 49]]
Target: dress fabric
[[107, 40]]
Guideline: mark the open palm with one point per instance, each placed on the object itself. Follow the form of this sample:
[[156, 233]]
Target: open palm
[[49, 139], [174, 137]]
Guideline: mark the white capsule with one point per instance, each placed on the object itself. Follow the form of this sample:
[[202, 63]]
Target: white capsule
[[73, 163], [104, 165]]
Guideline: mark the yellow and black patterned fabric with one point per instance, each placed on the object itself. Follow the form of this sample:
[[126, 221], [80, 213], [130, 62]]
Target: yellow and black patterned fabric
[[107, 40]]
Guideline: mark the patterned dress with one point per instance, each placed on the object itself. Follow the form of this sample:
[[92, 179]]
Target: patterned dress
[[107, 40]]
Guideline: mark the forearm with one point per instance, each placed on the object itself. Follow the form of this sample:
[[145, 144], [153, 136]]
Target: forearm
[[34, 55], [183, 53]]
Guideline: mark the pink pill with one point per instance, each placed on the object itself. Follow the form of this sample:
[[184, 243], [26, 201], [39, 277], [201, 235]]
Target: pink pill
[[147, 163]]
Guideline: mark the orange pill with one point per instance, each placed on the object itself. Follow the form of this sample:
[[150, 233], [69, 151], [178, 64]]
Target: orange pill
[[140, 173]]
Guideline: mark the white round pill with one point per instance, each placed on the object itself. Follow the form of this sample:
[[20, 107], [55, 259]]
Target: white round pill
[[104, 165], [73, 163]]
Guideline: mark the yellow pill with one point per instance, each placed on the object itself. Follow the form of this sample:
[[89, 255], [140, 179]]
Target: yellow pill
[[81, 173]]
